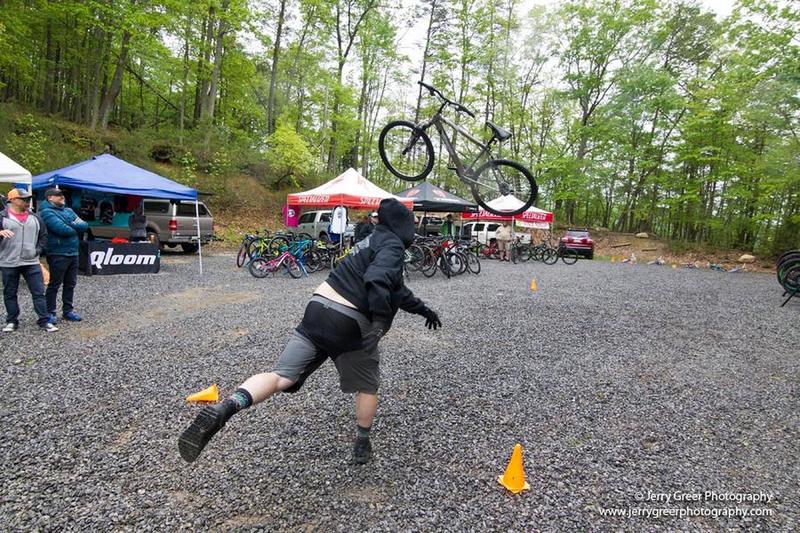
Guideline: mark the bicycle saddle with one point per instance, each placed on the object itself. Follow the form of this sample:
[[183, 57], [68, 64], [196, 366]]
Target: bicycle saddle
[[498, 132]]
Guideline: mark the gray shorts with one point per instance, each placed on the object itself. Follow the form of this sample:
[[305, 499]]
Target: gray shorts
[[330, 330]]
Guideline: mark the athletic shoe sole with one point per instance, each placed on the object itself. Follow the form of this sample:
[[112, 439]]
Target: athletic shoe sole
[[199, 433]]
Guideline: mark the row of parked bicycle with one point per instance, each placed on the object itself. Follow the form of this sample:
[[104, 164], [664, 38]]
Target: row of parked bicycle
[[788, 269], [300, 254]]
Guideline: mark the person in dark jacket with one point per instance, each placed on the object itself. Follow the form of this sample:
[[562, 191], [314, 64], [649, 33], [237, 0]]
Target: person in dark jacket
[[22, 237], [65, 229], [365, 227], [346, 317]]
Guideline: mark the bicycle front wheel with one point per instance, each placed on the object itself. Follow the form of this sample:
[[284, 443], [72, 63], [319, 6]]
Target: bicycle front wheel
[[549, 256], [500, 177], [241, 256], [406, 150], [259, 267], [473, 263]]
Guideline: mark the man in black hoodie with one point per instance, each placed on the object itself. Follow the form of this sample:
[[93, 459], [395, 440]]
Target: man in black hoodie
[[346, 317]]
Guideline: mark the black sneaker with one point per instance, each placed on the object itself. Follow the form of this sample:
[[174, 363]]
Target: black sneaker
[[208, 421], [362, 450]]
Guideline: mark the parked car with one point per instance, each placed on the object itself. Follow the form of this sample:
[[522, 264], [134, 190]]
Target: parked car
[[316, 223], [169, 223], [580, 241], [485, 232], [429, 225]]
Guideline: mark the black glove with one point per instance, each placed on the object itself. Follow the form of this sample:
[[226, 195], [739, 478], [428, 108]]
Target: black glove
[[431, 318], [370, 340]]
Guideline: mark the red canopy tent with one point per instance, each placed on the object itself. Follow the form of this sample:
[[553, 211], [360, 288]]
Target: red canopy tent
[[350, 189], [532, 217]]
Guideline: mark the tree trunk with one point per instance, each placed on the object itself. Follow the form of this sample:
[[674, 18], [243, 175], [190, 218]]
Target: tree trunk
[[425, 58], [202, 76], [211, 99], [116, 83], [274, 72], [185, 81]]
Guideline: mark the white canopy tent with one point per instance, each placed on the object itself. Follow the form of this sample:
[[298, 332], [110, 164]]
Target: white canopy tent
[[12, 172]]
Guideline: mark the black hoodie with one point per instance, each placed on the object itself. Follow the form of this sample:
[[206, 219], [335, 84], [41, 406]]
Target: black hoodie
[[371, 277]]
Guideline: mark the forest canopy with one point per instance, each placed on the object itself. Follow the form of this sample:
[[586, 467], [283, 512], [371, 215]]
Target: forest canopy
[[635, 115]]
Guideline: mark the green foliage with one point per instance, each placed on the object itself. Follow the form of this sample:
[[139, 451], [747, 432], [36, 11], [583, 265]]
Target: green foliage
[[288, 157], [632, 114], [27, 144]]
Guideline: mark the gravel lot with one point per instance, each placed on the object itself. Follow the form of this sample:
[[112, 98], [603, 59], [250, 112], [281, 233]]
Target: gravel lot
[[616, 379]]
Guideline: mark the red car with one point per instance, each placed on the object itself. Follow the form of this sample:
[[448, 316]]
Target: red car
[[580, 241]]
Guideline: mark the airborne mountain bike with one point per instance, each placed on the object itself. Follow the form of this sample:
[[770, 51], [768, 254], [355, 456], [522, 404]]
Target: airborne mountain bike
[[406, 150]]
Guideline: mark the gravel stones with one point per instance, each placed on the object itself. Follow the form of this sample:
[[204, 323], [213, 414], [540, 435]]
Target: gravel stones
[[616, 379]]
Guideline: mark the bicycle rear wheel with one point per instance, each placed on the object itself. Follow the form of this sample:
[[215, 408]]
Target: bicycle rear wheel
[[501, 177], [406, 150], [569, 257], [293, 268]]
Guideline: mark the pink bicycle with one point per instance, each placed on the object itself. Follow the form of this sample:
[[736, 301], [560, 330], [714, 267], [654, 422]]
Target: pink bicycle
[[262, 267]]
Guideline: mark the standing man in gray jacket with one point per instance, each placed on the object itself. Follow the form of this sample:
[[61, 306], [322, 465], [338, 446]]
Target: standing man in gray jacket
[[22, 238]]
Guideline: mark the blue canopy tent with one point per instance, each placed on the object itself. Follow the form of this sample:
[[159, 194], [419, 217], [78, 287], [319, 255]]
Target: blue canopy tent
[[106, 173]]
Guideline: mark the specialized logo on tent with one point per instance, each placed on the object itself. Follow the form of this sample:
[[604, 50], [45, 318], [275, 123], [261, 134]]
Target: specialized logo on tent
[[102, 258], [315, 198], [365, 200]]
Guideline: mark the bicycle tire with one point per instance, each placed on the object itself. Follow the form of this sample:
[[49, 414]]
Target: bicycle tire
[[258, 268], [414, 135], [549, 256], [430, 269], [463, 259], [313, 261], [417, 257], [256, 248], [473, 263], [293, 268], [569, 257], [241, 256], [485, 181], [275, 244]]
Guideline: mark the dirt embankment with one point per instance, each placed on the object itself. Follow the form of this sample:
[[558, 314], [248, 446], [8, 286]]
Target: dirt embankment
[[621, 246]]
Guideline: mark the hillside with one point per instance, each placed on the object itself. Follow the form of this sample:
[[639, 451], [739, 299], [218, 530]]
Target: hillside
[[242, 201]]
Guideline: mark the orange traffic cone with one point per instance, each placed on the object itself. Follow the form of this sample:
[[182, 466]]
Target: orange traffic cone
[[210, 394], [514, 478], [534, 287]]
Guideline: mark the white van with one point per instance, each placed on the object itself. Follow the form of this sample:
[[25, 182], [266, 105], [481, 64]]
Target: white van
[[485, 232], [316, 223]]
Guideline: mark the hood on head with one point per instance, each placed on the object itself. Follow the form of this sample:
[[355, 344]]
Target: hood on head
[[398, 218]]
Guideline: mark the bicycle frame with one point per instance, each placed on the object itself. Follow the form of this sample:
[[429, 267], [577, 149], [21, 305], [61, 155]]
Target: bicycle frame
[[274, 264], [464, 172]]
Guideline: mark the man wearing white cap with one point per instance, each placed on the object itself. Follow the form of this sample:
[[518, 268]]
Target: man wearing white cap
[[22, 238]]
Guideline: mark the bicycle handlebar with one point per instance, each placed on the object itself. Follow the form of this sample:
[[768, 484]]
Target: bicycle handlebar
[[435, 92]]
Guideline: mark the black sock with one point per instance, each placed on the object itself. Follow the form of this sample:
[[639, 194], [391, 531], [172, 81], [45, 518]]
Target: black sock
[[240, 399], [362, 432]]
